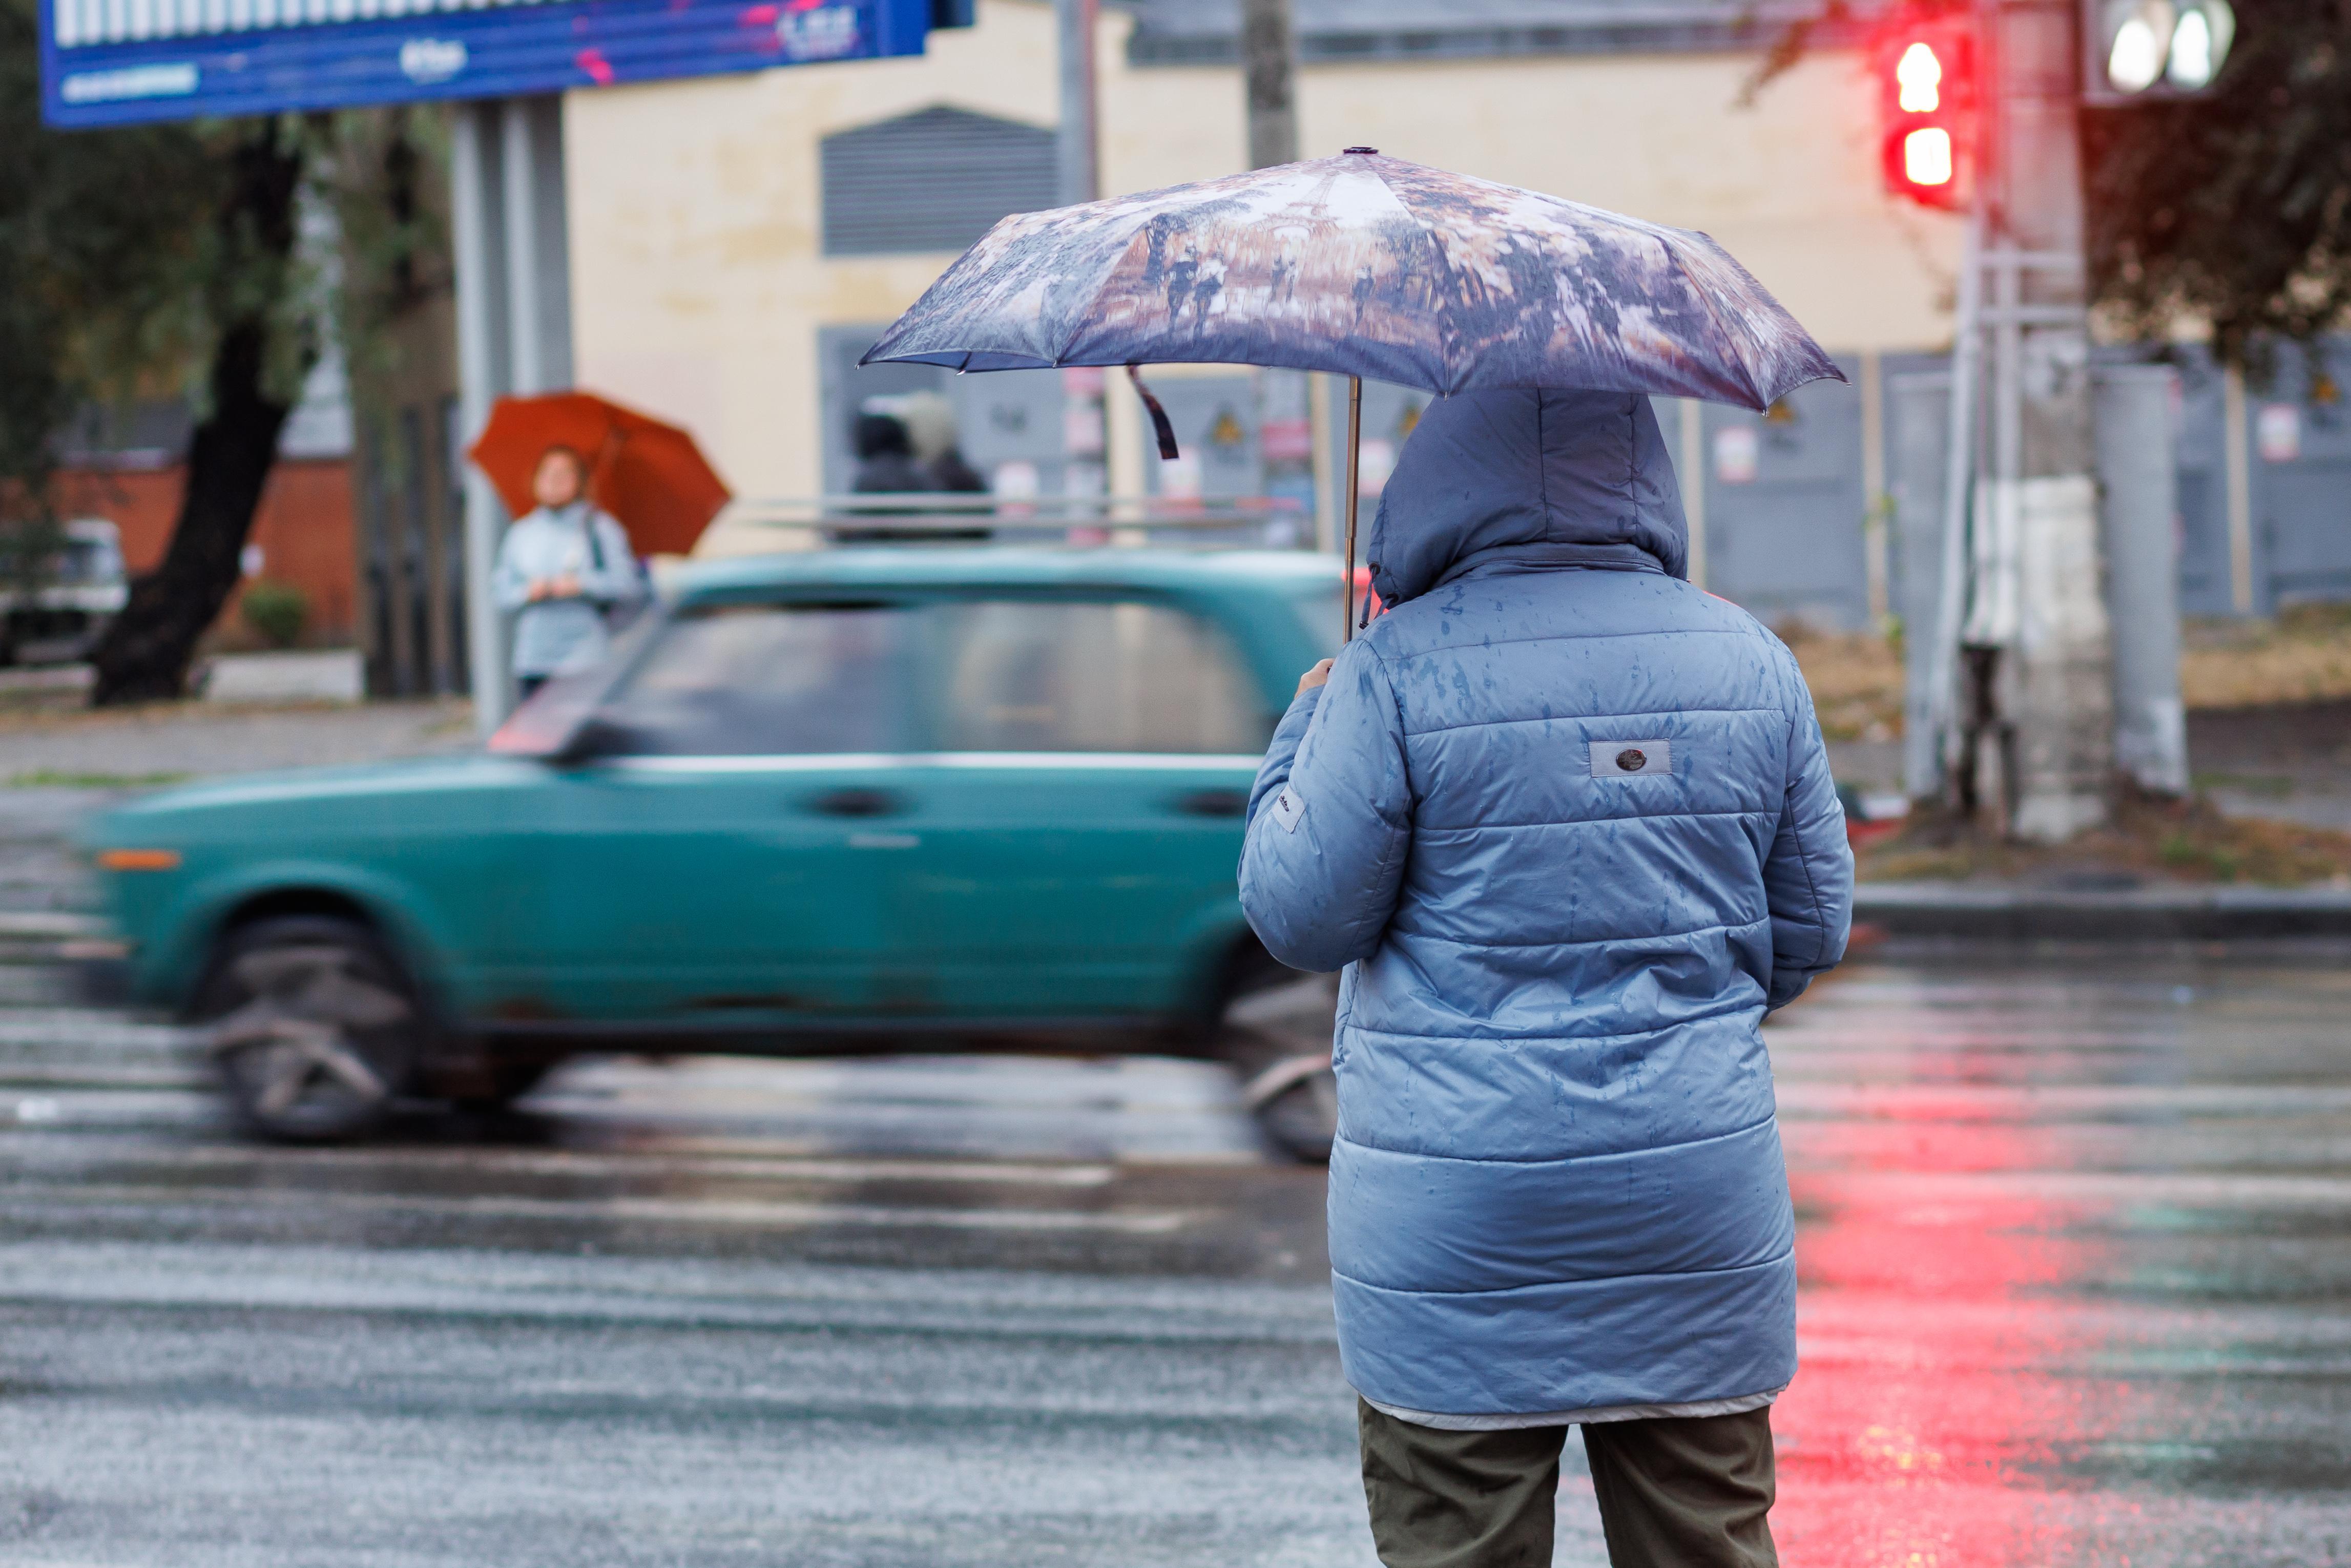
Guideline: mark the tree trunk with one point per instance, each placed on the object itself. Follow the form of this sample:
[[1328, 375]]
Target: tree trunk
[[145, 653]]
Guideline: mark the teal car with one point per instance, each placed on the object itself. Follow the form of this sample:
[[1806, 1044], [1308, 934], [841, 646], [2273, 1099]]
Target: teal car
[[961, 797]]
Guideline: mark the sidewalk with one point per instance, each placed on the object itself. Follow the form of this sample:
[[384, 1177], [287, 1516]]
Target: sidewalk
[[2015, 911], [2287, 762]]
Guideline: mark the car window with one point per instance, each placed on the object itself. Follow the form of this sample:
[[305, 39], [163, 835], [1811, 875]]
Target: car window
[[754, 680], [1048, 675]]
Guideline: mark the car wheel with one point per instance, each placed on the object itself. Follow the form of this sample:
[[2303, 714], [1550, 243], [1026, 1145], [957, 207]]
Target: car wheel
[[1279, 1041], [314, 1030]]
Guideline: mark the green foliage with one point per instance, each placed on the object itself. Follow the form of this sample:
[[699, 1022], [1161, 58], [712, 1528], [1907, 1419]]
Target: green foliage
[[96, 232], [204, 261], [381, 183], [276, 611], [125, 253], [2235, 206]]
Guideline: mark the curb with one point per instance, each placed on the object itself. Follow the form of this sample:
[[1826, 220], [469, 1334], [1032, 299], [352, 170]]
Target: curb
[[2009, 910]]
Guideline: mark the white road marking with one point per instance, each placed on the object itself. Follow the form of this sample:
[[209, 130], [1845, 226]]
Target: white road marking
[[749, 1212]]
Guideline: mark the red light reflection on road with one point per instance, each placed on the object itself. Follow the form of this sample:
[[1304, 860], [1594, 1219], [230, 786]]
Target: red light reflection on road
[[1919, 1431]]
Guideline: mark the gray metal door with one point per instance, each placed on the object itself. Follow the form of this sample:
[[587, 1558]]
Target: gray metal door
[[2301, 450], [1003, 417], [1784, 507], [1216, 420]]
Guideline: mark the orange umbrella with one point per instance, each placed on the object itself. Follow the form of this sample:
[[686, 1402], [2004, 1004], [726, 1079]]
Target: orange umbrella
[[650, 475]]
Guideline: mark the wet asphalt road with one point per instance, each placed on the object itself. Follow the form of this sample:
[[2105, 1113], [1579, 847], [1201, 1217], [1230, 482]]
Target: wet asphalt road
[[2073, 1238]]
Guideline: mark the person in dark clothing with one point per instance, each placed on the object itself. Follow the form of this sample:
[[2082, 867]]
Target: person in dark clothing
[[885, 457], [948, 471], [930, 422]]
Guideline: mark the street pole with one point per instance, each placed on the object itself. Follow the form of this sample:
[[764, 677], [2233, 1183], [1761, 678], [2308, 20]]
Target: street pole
[[1078, 146], [1293, 421], [1269, 74], [514, 326], [476, 186], [2139, 478], [1078, 178], [1942, 715], [2051, 684]]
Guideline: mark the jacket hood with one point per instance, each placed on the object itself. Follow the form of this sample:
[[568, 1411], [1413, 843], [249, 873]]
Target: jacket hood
[[1535, 475]]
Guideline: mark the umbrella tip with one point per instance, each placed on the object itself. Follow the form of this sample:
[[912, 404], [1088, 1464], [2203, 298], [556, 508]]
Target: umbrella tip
[[1364, 150]]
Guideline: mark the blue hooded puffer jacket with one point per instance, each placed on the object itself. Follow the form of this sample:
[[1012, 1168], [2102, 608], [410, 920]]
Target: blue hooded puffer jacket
[[1567, 822]]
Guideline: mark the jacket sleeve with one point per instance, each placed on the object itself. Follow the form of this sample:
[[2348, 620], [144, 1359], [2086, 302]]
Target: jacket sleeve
[[509, 583], [1330, 821], [1808, 875]]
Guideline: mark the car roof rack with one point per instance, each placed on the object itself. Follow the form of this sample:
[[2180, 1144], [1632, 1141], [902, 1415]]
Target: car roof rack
[[927, 517]]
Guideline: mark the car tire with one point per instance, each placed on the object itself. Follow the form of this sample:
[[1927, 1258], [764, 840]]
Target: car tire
[[1277, 1040], [314, 1030]]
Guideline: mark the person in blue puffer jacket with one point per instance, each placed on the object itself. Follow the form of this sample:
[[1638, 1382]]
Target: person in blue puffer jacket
[[1566, 823]]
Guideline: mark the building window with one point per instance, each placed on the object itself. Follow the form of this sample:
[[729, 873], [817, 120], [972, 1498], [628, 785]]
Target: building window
[[931, 180]]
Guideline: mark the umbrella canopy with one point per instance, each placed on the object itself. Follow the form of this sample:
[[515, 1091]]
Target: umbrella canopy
[[649, 474], [1365, 266]]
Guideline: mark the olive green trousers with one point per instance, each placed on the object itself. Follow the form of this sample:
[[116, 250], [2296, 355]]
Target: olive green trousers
[[1681, 1493]]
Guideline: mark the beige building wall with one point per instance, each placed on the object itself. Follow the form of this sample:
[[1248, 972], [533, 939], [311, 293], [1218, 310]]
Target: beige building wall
[[699, 284]]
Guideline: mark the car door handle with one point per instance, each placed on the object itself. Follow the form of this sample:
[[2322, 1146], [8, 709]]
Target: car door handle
[[858, 802], [1213, 804]]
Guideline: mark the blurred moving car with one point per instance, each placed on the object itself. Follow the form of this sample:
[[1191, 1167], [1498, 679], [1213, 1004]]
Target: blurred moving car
[[59, 617], [845, 799]]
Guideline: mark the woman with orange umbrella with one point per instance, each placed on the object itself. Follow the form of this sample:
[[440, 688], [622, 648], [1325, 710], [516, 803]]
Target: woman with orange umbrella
[[562, 568], [557, 460]]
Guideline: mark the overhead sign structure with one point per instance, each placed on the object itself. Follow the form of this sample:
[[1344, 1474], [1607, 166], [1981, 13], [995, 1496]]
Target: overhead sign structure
[[116, 62]]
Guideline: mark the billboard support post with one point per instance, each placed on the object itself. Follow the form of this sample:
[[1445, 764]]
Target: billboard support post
[[476, 184], [514, 325]]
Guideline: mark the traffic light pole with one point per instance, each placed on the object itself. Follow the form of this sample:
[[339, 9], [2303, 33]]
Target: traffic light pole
[[1944, 719], [2034, 661]]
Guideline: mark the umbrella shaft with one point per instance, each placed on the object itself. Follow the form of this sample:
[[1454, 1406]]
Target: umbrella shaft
[[1354, 469]]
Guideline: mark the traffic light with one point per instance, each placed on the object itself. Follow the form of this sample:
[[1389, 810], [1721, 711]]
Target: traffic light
[[1927, 116], [2133, 50]]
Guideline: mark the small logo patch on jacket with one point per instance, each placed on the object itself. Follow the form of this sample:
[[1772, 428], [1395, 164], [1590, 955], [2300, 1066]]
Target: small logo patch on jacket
[[1288, 809], [1632, 759]]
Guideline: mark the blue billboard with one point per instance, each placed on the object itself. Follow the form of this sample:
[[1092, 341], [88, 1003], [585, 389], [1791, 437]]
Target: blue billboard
[[115, 62]]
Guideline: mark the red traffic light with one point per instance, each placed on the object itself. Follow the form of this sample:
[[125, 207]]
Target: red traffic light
[[1927, 160], [1927, 108]]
